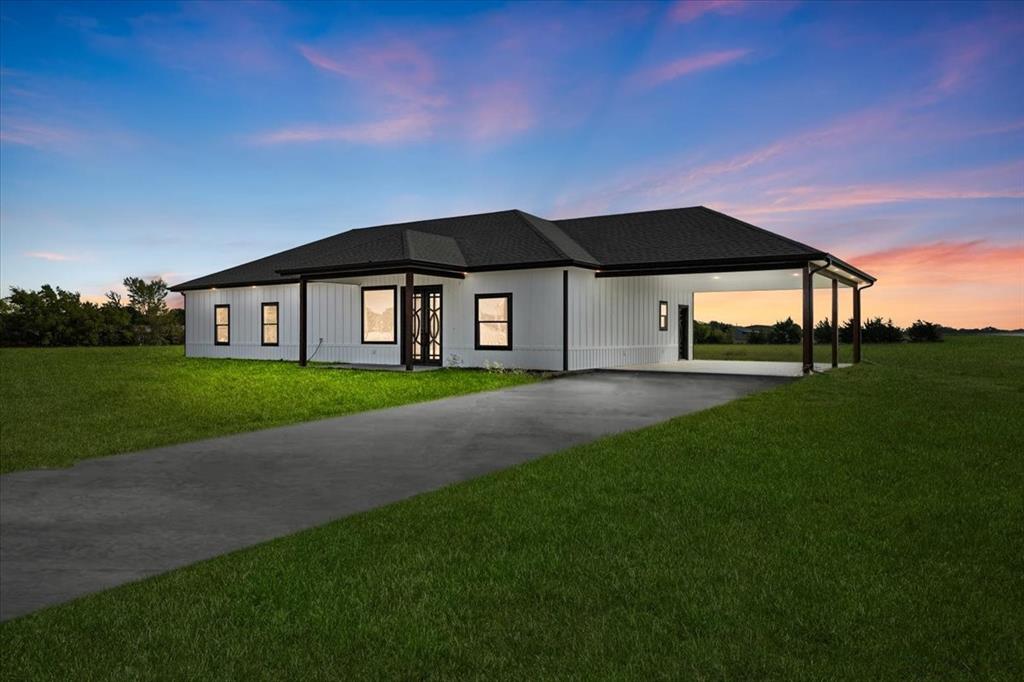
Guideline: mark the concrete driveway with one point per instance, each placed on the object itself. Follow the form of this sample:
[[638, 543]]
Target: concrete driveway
[[65, 533]]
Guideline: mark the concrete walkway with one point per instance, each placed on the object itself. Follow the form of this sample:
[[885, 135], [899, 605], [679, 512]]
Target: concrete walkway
[[65, 533]]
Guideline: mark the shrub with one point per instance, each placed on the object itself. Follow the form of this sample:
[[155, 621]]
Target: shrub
[[823, 331], [922, 331], [785, 331], [757, 337], [878, 331]]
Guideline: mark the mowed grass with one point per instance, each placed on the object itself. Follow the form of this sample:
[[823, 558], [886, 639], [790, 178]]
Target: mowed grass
[[60, 405], [776, 352], [860, 524]]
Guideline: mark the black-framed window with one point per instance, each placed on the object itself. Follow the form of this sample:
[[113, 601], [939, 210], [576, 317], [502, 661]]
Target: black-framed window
[[663, 316], [380, 314], [492, 317], [222, 325], [269, 321]]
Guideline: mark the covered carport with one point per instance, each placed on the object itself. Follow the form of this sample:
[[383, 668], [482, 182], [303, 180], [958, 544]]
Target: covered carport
[[824, 273]]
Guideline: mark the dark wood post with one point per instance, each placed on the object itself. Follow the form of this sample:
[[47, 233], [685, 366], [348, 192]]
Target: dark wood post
[[835, 323], [407, 321], [565, 320], [302, 322], [808, 325], [856, 323]]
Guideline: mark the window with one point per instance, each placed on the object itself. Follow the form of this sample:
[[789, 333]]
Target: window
[[269, 324], [493, 321], [379, 320], [663, 316], [222, 325]]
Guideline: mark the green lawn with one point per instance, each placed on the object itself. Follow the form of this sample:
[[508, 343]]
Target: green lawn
[[775, 352], [858, 524], [60, 405]]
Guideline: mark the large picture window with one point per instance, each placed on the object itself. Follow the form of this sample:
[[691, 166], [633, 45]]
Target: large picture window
[[222, 325], [379, 321], [663, 316], [493, 317], [270, 324]]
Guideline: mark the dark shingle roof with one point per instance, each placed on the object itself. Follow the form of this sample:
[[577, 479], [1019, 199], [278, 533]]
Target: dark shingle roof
[[678, 235], [513, 238]]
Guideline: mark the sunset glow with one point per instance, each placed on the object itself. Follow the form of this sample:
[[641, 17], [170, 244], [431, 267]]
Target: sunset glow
[[186, 138]]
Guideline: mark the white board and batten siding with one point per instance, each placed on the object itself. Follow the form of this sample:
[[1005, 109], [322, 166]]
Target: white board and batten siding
[[612, 321]]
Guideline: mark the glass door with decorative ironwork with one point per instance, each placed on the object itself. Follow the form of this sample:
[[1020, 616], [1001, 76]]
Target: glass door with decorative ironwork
[[426, 325]]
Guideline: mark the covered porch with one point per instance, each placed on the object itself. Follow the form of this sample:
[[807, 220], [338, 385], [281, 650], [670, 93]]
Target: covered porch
[[826, 275]]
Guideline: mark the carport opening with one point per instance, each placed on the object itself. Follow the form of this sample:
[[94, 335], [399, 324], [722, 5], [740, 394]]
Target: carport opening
[[752, 325]]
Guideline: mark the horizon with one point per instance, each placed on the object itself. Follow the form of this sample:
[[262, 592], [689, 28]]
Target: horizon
[[176, 140]]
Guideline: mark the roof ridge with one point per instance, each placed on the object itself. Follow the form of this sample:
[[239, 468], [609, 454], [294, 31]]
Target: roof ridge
[[751, 226], [624, 213], [526, 218]]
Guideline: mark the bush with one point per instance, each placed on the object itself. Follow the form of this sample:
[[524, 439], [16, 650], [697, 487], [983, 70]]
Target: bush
[[922, 331], [785, 331], [877, 331], [823, 332], [712, 332], [757, 337]]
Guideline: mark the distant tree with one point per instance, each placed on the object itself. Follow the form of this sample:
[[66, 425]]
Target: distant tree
[[878, 331], [785, 331], [712, 332], [846, 332], [757, 337], [823, 332], [49, 317], [922, 331], [148, 300]]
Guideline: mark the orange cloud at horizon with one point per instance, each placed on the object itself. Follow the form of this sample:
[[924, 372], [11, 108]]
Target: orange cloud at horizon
[[958, 284]]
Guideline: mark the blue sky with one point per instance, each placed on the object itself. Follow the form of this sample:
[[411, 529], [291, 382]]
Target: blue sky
[[178, 139]]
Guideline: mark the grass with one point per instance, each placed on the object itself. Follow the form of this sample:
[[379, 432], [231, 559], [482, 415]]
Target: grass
[[774, 352], [60, 405], [860, 524]]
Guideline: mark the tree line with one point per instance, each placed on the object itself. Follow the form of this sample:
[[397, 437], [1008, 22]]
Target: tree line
[[53, 316], [874, 330]]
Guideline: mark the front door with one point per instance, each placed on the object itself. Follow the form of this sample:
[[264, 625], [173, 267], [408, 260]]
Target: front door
[[426, 325], [684, 332]]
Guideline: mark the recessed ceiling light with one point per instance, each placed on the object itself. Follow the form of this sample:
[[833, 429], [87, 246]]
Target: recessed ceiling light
[[715, 277], [796, 274]]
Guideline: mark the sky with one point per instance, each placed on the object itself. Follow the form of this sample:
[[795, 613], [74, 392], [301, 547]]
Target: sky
[[179, 139]]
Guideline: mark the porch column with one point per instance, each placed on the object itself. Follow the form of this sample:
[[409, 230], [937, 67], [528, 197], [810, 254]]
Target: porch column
[[808, 326], [835, 323], [407, 321], [302, 321], [856, 324]]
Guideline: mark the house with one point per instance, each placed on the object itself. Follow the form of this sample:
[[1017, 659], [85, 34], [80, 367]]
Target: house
[[505, 287]]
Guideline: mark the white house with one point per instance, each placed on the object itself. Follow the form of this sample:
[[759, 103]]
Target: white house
[[505, 287]]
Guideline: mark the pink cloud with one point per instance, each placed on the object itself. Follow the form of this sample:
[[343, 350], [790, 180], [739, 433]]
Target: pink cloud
[[499, 110], [415, 126], [688, 65], [685, 11], [38, 135], [51, 256]]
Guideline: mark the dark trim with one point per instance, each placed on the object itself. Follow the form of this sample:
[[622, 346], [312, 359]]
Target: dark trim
[[662, 325], [476, 321], [410, 289], [807, 335], [852, 270], [683, 269], [565, 320], [181, 288], [394, 313], [426, 290], [835, 323], [836, 277], [217, 307], [303, 325], [264, 325], [382, 268]]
